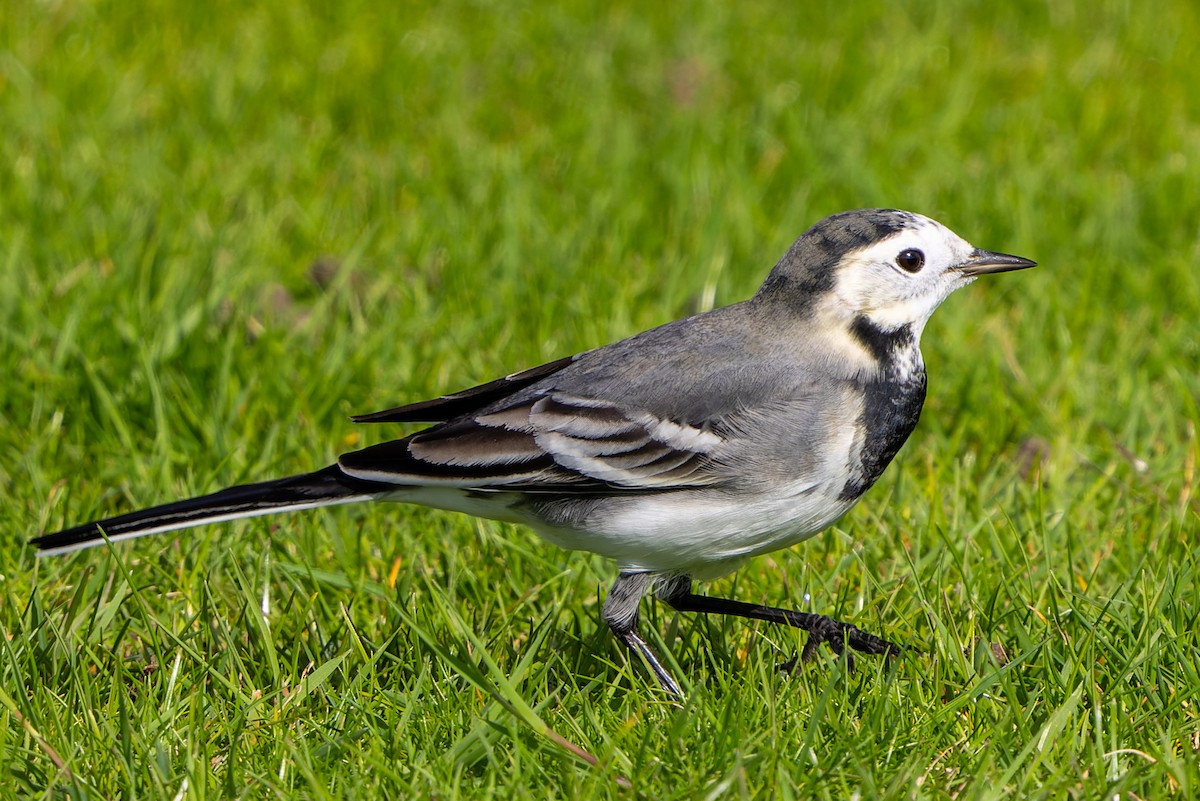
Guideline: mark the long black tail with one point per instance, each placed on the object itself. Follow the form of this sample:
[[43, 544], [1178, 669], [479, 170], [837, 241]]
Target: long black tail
[[322, 488]]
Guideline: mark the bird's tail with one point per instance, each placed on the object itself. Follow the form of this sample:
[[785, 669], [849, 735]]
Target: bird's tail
[[322, 488]]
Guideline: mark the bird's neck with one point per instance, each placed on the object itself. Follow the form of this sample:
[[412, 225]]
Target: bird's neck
[[895, 350]]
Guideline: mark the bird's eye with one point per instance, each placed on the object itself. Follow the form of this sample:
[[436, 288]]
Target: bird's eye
[[911, 260]]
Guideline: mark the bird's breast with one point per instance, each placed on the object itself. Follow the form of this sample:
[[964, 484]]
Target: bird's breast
[[890, 410]]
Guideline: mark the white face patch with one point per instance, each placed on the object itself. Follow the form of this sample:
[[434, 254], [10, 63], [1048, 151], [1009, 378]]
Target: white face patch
[[902, 279]]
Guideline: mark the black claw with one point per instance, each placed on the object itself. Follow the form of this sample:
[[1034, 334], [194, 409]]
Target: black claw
[[837, 635], [868, 643], [621, 614]]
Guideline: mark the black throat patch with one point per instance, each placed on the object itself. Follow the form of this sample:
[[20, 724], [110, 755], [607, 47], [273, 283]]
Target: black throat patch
[[885, 346], [891, 402]]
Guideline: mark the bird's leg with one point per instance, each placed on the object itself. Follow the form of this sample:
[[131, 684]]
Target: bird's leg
[[621, 615], [677, 592]]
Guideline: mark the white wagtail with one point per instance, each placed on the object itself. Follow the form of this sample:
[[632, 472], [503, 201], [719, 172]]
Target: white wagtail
[[679, 452]]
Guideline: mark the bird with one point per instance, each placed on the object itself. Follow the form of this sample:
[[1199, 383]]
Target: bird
[[678, 453]]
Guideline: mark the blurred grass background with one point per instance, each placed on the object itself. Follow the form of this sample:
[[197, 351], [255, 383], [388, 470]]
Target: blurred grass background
[[223, 229]]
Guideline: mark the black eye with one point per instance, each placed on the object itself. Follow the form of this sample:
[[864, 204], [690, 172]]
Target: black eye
[[911, 260]]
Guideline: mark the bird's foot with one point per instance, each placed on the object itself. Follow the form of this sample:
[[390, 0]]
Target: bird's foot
[[837, 635]]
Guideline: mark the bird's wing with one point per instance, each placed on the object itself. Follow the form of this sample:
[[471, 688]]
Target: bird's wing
[[547, 442], [448, 407]]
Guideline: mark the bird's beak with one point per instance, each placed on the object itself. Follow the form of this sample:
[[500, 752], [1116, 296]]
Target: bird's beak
[[982, 262]]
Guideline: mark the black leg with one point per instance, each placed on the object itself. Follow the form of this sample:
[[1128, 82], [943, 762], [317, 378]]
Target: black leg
[[678, 593], [621, 615]]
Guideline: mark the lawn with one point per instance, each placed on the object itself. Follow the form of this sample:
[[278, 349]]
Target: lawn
[[223, 230]]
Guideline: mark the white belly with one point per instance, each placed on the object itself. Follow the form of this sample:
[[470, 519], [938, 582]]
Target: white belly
[[701, 535]]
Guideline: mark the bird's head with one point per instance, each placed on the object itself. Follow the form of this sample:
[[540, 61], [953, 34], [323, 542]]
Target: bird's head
[[893, 268]]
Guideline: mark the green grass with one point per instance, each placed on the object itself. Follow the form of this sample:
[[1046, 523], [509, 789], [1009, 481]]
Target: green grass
[[222, 231]]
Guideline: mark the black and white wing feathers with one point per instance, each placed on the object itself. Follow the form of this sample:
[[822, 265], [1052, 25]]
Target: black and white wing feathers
[[546, 442]]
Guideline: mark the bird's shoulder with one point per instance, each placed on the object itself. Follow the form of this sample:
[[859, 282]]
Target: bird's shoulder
[[698, 370]]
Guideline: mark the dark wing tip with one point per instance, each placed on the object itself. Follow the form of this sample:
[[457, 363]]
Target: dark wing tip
[[447, 407], [427, 411]]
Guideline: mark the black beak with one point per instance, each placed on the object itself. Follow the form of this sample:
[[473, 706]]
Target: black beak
[[982, 262]]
